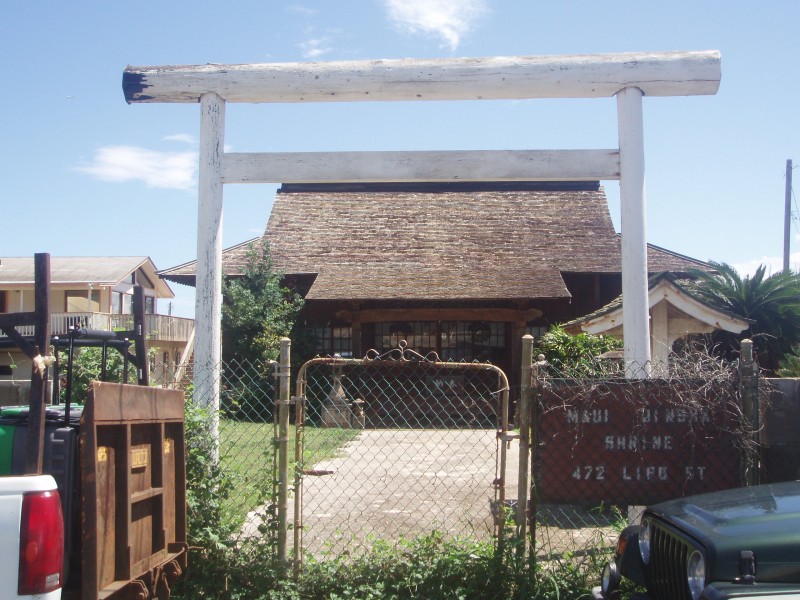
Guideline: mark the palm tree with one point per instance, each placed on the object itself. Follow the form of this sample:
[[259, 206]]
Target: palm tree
[[771, 302]]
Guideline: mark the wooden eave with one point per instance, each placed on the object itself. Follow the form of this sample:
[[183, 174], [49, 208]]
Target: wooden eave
[[682, 307]]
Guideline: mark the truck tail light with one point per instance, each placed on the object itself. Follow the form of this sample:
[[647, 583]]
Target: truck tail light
[[41, 543]]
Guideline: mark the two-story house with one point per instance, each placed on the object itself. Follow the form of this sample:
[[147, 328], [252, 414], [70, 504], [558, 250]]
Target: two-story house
[[96, 292]]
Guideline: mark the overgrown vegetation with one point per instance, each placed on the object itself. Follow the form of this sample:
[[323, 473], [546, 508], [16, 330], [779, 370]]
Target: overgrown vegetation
[[87, 366], [789, 365], [578, 354]]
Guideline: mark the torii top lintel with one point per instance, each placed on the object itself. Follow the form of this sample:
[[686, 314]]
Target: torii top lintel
[[520, 77]]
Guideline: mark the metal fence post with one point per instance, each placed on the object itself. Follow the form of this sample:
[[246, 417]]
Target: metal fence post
[[284, 399], [748, 373], [524, 422]]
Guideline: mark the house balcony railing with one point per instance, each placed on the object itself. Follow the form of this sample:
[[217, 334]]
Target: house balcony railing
[[158, 327]]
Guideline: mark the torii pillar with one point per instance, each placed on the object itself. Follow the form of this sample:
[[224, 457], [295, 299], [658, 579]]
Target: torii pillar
[[636, 318]]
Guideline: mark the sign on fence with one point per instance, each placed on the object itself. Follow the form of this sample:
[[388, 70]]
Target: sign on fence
[[633, 443]]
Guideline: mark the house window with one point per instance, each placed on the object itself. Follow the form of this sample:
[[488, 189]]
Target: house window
[[452, 340], [330, 340], [537, 332], [121, 304], [82, 301], [149, 305], [3, 301], [419, 336]]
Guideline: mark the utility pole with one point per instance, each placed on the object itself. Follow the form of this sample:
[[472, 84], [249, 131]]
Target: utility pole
[[787, 216]]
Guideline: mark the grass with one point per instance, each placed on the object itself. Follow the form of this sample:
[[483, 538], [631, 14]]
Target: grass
[[247, 451]]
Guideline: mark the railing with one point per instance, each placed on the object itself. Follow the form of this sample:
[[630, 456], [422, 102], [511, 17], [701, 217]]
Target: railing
[[158, 327]]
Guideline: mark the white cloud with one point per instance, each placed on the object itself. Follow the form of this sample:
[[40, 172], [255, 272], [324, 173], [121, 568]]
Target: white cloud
[[447, 19], [316, 47], [773, 264], [169, 170], [181, 137], [302, 10]]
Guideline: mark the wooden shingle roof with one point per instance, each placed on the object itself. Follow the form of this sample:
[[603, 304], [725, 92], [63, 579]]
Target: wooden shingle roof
[[440, 241]]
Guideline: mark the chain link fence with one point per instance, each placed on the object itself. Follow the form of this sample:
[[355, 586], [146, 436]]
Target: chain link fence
[[246, 443], [396, 446], [400, 445], [605, 447], [385, 447]]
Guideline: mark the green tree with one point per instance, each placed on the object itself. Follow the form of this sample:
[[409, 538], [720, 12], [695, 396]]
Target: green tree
[[576, 355], [789, 365], [257, 310], [770, 302]]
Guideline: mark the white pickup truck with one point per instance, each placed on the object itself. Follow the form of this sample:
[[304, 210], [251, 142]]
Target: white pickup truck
[[32, 526]]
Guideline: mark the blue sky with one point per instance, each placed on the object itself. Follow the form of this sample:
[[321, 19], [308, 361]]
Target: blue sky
[[86, 174]]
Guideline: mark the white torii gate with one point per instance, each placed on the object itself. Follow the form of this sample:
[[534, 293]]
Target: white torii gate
[[628, 76]]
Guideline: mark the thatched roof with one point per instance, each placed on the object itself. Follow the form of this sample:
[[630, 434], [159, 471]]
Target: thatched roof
[[440, 241]]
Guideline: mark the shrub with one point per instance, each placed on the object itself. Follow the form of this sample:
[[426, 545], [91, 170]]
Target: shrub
[[577, 354]]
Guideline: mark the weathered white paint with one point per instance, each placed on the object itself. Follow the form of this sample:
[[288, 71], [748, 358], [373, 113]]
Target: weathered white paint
[[498, 165], [633, 225], [517, 77], [662, 344], [701, 313], [208, 300], [698, 317]]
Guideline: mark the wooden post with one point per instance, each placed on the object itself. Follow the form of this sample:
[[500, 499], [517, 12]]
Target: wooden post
[[35, 443], [524, 422], [748, 375], [284, 395], [208, 302], [662, 342], [635, 317], [787, 216], [139, 335]]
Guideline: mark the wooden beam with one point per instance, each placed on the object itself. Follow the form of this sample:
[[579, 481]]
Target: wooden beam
[[380, 315], [10, 320], [516, 77], [506, 165]]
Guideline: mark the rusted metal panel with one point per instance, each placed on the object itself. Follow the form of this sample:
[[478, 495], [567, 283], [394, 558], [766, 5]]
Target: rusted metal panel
[[624, 446], [134, 492]]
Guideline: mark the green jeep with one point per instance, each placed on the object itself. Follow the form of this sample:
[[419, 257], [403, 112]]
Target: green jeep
[[740, 543]]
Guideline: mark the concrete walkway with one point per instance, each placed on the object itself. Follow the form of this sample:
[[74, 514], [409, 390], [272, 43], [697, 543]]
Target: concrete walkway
[[393, 483]]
